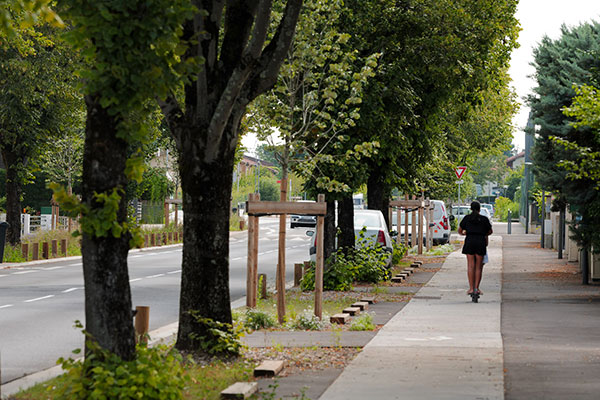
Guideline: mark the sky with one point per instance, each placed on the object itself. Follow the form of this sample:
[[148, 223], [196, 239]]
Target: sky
[[541, 18]]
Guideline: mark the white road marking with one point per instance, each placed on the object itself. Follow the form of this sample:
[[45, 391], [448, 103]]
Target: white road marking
[[69, 290], [135, 280], [174, 272], [2, 276], [39, 298], [6, 306], [138, 256], [154, 276], [237, 258], [52, 268], [75, 265], [25, 272]]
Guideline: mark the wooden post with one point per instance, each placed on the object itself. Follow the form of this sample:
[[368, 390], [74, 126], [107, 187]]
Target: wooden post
[[427, 228], [146, 240], [152, 239], [176, 212], [430, 221], [54, 248], [170, 237], [413, 229], [263, 287], [398, 221], [420, 238], [166, 213], [306, 267], [390, 214], [164, 238], [319, 268], [255, 253], [45, 250], [297, 274], [250, 289], [63, 247], [406, 223], [25, 251], [281, 259], [35, 249], [142, 323]]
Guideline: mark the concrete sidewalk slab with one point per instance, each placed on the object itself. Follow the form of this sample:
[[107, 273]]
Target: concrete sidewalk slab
[[440, 346]]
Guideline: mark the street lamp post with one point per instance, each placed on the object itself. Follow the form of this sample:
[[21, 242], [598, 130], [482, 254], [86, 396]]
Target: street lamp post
[[527, 165]]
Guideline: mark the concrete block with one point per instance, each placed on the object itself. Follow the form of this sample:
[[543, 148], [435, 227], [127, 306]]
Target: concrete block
[[402, 274], [352, 310], [407, 272], [368, 299], [363, 305], [417, 264], [240, 390], [339, 318], [269, 368], [411, 269], [398, 279]]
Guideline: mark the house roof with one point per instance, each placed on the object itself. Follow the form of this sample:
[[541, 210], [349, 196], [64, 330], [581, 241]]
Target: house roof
[[510, 160]]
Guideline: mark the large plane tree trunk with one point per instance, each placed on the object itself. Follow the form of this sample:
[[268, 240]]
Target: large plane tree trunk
[[108, 309], [378, 193], [346, 222], [13, 162]]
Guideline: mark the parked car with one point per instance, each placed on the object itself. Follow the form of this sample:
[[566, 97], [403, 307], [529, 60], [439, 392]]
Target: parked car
[[486, 212], [375, 230], [489, 207], [440, 224], [459, 212]]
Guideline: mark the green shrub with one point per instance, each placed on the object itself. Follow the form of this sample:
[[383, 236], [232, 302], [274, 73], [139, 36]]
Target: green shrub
[[363, 323], [218, 338], [503, 205], [307, 321], [399, 252], [156, 373], [256, 319]]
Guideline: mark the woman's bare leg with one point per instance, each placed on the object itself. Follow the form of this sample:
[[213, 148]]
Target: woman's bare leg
[[471, 272], [478, 269]]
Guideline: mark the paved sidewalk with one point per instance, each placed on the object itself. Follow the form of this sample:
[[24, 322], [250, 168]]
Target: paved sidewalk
[[440, 346]]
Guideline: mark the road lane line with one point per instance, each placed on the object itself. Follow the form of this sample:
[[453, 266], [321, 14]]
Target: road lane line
[[138, 256], [69, 290], [75, 265], [174, 272], [25, 272], [154, 276], [6, 306], [2, 276], [135, 280], [52, 268], [38, 298]]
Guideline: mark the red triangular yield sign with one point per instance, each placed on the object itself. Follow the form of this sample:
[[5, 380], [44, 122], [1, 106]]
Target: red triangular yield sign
[[459, 171]]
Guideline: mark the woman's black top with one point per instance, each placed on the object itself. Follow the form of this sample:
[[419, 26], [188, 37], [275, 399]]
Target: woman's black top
[[477, 227]]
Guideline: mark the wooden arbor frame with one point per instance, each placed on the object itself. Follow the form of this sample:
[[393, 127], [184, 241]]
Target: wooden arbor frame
[[255, 209], [421, 206], [168, 202]]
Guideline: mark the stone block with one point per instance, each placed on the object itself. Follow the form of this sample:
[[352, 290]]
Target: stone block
[[368, 299], [240, 390], [269, 368], [397, 279], [352, 310], [363, 305], [339, 318]]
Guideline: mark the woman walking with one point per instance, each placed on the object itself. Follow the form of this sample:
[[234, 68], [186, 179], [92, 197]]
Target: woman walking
[[477, 228]]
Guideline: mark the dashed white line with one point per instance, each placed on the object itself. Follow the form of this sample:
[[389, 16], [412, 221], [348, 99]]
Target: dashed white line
[[6, 306], [2, 276], [154, 276], [69, 290], [25, 272], [138, 256], [174, 272], [135, 280], [75, 265], [38, 298], [52, 268]]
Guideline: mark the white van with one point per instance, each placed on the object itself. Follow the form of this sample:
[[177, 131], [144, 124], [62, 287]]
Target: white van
[[440, 226]]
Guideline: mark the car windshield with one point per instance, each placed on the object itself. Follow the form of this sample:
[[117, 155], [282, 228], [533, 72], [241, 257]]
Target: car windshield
[[367, 219]]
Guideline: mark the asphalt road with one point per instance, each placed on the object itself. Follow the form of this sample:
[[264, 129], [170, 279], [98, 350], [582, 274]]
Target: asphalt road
[[39, 303]]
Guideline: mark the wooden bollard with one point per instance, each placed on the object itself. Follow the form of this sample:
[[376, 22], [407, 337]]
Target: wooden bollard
[[242, 225], [152, 239], [262, 283], [170, 237], [45, 250], [164, 238], [142, 323], [298, 273], [63, 247], [146, 240], [25, 251], [35, 250], [54, 248], [306, 267]]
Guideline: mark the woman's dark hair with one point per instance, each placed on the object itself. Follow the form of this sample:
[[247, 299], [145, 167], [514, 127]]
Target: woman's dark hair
[[475, 206]]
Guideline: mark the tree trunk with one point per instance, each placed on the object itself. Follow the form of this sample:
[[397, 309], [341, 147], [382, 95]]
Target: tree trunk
[[378, 193], [13, 197], [205, 267], [346, 222], [329, 237], [108, 308]]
